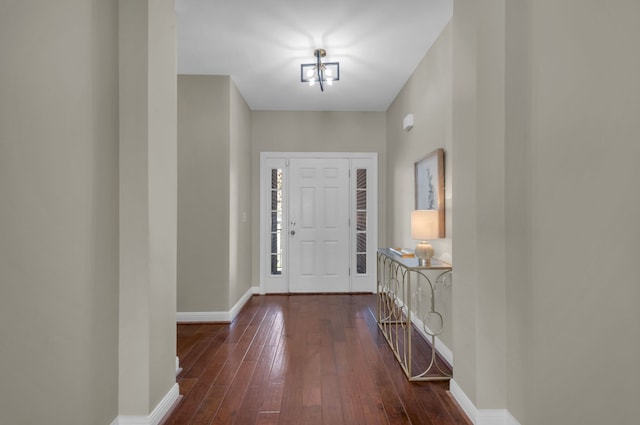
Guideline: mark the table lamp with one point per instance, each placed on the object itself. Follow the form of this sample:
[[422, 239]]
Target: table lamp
[[424, 226]]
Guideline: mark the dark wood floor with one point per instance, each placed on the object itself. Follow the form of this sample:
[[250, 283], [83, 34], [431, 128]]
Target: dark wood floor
[[301, 359]]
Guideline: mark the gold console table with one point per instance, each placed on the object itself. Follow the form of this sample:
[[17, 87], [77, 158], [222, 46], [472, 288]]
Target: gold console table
[[404, 290]]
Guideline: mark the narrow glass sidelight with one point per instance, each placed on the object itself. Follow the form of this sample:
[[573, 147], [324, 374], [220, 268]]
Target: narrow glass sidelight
[[276, 221], [361, 221]]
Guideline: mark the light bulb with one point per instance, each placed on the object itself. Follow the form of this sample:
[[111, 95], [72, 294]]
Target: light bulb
[[328, 73], [310, 72]]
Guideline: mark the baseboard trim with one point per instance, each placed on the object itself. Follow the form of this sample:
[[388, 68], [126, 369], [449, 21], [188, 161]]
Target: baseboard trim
[[203, 316], [233, 313], [156, 415], [467, 406], [480, 416], [217, 316]]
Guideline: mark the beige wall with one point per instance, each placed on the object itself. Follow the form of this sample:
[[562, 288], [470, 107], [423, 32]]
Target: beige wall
[[519, 289], [545, 276], [285, 131], [148, 184], [59, 212], [214, 205], [163, 185], [585, 102], [426, 95], [240, 197], [479, 215], [203, 193]]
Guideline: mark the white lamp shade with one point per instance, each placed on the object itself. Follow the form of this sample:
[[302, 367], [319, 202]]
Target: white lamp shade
[[424, 225]]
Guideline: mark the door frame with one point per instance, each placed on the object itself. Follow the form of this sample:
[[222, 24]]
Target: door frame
[[357, 282]]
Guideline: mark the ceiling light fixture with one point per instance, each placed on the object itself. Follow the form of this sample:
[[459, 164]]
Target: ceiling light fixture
[[320, 72]]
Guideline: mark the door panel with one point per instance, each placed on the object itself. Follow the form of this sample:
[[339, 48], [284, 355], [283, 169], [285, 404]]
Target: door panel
[[319, 225], [307, 258]]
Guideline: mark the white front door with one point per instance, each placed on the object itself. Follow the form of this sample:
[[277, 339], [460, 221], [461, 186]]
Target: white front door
[[319, 225], [329, 202]]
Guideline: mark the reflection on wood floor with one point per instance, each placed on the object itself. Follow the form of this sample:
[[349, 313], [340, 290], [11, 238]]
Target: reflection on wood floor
[[301, 359]]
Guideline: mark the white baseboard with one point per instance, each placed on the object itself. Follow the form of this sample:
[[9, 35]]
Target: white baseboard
[[233, 313], [158, 413], [480, 416], [217, 316], [462, 399], [203, 316]]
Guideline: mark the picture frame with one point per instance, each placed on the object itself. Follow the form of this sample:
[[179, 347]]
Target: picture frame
[[429, 186]]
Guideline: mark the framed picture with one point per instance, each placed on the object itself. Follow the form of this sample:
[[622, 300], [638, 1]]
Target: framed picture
[[429, 185]]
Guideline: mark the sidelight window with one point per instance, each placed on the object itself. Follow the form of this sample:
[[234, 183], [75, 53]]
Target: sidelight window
[[276, 221], [361, 220]]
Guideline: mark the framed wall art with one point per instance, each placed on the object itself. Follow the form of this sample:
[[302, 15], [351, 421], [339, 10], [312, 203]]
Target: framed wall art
[[429, 186]]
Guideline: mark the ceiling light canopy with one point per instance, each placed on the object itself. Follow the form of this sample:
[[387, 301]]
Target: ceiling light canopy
[[320, 72]]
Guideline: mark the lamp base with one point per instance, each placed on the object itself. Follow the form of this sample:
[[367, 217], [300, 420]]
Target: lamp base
[[424, 252]]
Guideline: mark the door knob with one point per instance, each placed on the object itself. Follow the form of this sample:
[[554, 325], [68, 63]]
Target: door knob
[[293, 232]]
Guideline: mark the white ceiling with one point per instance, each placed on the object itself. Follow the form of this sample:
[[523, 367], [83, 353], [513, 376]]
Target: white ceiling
[[261, 44]]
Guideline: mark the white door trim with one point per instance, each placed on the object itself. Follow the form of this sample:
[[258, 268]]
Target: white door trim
[[359, 283]]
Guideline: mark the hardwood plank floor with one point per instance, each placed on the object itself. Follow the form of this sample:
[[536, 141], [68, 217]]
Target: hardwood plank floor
[[302, 359]]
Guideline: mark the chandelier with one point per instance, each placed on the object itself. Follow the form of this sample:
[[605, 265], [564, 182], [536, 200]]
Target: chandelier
[[320, 72]]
